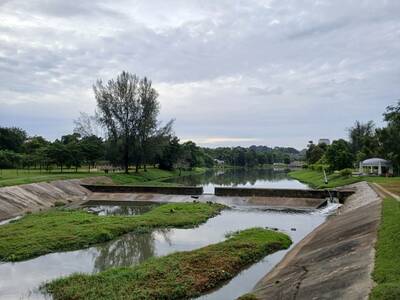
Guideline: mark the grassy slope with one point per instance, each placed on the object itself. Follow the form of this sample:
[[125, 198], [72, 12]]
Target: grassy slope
[[58, 230], [153, 176], [387, 262], [180, 275], [316, 179]]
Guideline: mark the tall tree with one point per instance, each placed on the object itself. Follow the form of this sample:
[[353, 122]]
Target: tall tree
[[363, 140], [389, 136], [147, 123], [339, 155], [119, 110]]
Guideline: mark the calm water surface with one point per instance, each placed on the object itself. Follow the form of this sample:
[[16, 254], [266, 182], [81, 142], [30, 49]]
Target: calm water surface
[[21, 280], [262, 178]]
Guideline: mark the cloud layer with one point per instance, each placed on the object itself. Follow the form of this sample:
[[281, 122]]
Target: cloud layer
[[230, 72]]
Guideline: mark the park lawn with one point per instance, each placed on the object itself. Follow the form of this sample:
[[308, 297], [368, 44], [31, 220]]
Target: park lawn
[[61, 229], [315, 179], [153, 176], [181, 275], [387, 258]]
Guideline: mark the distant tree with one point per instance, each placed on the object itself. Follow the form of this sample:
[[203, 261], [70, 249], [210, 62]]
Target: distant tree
[[9, 159], [363, 140], [314, 152], [12, 138], [86, 125], [339, 155], [92, 148], [170, 154], [389, 136], [58, 153], [33, 144]]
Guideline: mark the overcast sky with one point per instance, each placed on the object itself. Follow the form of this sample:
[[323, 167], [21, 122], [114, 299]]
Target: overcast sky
[[230, 72]]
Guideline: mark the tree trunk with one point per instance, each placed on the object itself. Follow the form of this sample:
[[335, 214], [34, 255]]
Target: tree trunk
[[137, 167], [144, 167], [61, 167]]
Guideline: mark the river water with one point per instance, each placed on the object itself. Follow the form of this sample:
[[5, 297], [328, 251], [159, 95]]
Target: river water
[[239, 177], [21, 280]]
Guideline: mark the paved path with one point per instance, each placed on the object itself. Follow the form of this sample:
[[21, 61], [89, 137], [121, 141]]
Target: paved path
[[385, 191], [336, 260]]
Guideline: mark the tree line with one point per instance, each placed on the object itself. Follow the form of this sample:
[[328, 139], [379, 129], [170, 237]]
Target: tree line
[[127, 112], [365, 141]]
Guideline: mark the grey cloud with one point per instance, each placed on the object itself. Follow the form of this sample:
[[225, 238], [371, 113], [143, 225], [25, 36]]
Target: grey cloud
[[239, 64]]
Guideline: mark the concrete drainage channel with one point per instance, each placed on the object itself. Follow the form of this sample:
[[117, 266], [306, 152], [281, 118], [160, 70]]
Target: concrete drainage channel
[[250, 208]]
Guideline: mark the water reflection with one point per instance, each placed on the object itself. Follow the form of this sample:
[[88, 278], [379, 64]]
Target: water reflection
[[239, 177], [21, 280], [125, 208]]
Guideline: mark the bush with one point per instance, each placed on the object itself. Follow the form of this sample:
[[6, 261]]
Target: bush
[[346, 172]]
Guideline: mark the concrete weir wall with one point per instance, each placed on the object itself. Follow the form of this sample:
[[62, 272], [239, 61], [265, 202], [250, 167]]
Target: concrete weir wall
[[286, 193], [336, 260], [16, 200], [166, 190]]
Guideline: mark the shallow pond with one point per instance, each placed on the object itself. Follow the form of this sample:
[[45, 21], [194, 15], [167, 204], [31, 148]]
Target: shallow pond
[[21, 280], [239, 177]]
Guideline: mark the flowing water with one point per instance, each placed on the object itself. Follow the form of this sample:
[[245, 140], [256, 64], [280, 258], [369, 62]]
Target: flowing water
[[21, 280]]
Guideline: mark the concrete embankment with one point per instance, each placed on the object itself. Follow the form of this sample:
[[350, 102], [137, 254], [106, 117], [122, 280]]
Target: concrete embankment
[[333, 262], [16, 200]]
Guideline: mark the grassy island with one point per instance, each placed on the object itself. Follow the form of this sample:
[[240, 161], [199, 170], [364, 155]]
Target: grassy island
[[180, 275], [62, 229]]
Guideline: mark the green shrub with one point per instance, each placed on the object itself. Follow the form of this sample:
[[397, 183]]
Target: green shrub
[[346, 172]]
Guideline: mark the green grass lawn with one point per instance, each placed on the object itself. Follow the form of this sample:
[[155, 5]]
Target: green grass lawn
[[61, 229], [153, 176], [387, 261], [181, 275], [316, 180]]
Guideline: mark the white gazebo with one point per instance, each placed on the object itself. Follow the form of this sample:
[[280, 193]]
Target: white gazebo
[[377, 166]]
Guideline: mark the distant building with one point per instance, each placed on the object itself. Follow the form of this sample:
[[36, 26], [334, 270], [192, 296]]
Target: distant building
[[324, 141]]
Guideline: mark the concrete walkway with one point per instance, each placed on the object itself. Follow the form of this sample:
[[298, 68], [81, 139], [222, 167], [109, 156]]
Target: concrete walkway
[[333, 262]]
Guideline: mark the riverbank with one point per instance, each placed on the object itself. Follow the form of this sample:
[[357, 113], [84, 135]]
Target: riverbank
[[335, 261], [316, 180], [153, 176], [387, 262], [60, 229], [180, 275]]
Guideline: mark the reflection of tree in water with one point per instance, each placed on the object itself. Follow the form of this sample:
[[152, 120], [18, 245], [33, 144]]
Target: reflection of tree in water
[[233, 177], [130, 249]]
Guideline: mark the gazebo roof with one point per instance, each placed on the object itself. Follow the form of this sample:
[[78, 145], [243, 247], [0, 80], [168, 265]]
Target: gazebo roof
[[375, 162]]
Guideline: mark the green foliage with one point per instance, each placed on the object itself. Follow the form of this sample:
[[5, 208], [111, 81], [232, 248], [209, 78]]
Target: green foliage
[[389, 136], [60, 230], [314, 152], [181, 275], [339, 155], [12, 138], [387, 258], [9, 159], [346, 172]]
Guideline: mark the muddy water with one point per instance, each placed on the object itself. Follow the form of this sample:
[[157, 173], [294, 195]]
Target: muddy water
[[258, 178], [21, 280]]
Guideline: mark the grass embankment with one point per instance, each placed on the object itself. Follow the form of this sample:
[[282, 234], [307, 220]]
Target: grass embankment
[[387, 261], [153, 176], [60, 230], [180, 275], [315, 179]]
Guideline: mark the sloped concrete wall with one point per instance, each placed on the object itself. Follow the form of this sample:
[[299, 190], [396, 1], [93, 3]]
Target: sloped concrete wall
[[16, 200], [335, 261]]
